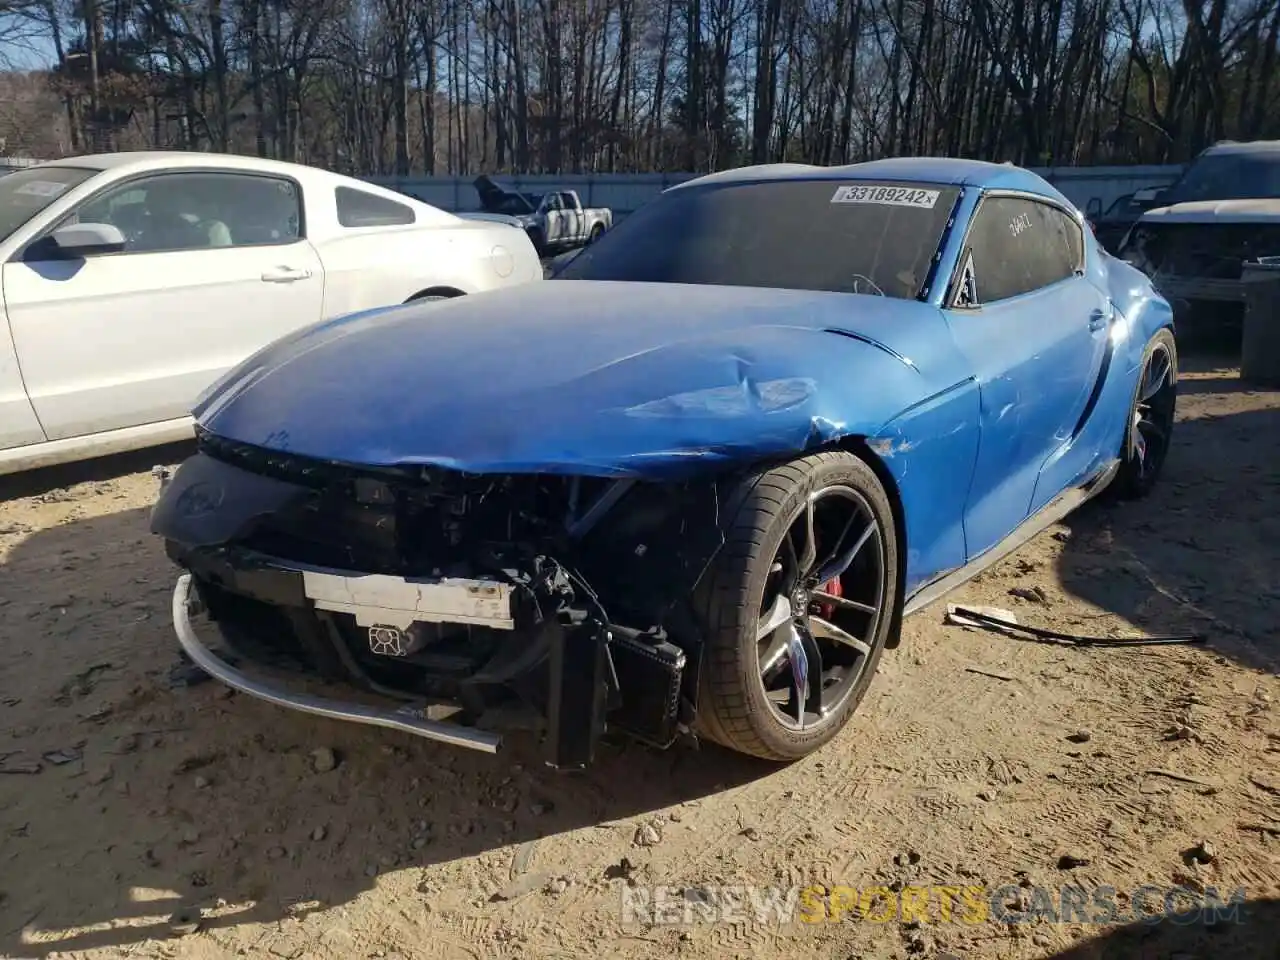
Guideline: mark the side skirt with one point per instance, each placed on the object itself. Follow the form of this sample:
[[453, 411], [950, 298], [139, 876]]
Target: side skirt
[[49, 453], [1049, 514]]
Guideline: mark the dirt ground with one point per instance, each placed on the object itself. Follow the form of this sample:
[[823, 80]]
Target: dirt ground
[[977, 759]]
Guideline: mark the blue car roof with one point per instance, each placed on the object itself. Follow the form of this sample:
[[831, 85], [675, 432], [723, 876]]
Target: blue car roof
[[943, 170]]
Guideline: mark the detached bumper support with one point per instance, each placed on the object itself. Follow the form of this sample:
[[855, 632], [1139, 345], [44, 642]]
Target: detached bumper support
[[402, 719], [575, 718]]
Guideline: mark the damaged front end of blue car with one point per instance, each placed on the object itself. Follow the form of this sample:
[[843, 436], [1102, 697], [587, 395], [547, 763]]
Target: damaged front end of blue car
[[449, 595], [388, 504]]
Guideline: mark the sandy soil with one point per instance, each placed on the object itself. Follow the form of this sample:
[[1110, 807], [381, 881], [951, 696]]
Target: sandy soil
[[977, 759]]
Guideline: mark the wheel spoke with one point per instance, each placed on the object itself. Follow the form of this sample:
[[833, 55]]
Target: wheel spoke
[[799, 658], [792, 565], [830, 559], [1136, 442], [810, 554], [845, 602], [813, 684], [774, 655], [1157, 373], [842, 563], [826, 630], [778, 614]]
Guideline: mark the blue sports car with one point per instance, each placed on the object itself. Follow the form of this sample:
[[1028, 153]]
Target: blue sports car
[[691, 484]]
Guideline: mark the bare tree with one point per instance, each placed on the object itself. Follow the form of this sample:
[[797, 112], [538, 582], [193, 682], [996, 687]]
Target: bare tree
[[393, 86]]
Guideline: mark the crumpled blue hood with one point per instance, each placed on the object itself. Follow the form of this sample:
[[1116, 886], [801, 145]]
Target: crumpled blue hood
[[605, 379]]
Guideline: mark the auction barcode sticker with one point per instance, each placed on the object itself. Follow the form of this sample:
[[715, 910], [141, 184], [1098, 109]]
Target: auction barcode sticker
[[892, 196]]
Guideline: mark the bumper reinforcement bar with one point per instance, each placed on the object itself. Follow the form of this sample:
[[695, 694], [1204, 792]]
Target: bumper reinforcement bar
[[402, 719]]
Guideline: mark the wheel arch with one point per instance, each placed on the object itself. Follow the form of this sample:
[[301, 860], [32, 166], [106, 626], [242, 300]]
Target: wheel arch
[[448, 292]]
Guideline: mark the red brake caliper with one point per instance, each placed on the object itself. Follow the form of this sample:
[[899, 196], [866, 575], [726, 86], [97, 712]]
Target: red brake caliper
[[833, 588]]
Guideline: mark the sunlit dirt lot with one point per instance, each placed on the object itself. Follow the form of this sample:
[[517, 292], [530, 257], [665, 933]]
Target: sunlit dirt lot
[[133, 809]]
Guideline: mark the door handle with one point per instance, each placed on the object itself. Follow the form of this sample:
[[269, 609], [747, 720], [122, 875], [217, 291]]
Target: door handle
[[285, 275], [1097, 320]]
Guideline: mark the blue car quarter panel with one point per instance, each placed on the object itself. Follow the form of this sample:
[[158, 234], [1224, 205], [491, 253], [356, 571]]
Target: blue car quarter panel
[[1138, 312]]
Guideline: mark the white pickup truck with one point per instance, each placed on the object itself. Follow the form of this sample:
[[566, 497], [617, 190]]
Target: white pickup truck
[[555, 221]]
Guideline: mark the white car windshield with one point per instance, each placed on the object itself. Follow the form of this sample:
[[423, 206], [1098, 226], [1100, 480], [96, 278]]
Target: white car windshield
[[25, 193]]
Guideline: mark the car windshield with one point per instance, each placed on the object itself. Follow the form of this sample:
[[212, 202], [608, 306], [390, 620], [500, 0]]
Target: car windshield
[[829, 235], [25, 193], [1229, 176]]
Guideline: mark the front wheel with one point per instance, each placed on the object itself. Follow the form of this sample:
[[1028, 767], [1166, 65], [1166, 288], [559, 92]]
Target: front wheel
[[1149, 428], [797, 607]]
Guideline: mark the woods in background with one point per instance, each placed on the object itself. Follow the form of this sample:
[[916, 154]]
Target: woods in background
[[465, 86]]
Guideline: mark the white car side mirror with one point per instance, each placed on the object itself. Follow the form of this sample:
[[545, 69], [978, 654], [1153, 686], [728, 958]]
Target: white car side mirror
[[88, 239]]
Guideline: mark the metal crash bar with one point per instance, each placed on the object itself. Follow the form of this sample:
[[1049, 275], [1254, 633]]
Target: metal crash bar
[[203, 658]]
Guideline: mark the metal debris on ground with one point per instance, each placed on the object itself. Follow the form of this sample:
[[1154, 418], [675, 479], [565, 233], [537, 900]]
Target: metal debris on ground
[[996, 618], [1003, 621], [20, 768], [63, 756]]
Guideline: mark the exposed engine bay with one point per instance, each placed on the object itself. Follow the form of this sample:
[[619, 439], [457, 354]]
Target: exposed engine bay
[[568, 596]]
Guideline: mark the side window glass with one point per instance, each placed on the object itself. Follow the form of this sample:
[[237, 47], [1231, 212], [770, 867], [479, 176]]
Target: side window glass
[[554, 203], [1019, 245], [198, 211], [1071, 238], [359, 209]]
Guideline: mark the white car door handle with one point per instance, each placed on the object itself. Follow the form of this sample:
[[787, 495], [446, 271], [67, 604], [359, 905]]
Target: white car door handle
[[285, 275]]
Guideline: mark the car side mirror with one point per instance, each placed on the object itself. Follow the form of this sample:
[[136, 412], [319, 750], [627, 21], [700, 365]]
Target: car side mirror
[[1093, 209], [87, 239]]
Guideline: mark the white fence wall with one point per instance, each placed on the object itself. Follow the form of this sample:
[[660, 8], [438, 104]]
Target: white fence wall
[[625, 192]]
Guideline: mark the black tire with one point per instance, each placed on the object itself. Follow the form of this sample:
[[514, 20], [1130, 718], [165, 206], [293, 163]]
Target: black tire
[[538, 240], [1152, 418], [597, 232], [734, 709]]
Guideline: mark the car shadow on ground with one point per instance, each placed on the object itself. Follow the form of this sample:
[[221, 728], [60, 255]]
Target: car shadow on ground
[[1250, 934], [37, 483], [174, 800], [1200, 554]]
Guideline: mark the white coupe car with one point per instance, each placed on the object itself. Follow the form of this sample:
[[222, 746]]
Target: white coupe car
[[130, 282]]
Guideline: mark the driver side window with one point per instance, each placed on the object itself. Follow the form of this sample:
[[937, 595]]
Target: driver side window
[[175, 212], [1016, 246]]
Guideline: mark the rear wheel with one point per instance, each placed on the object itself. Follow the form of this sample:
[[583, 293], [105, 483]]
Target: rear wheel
[[797, 607], [597, 232], [1151, 416]]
